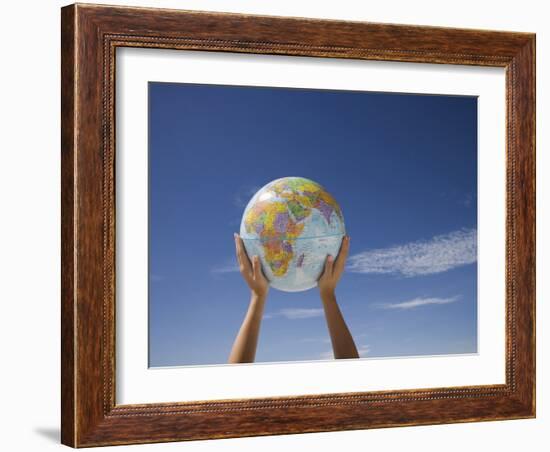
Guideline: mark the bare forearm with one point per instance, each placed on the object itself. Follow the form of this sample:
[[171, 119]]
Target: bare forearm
[[244, 347], [340, 336]]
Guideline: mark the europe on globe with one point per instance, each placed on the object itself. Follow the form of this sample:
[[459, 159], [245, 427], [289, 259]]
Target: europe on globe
[[292, 224]]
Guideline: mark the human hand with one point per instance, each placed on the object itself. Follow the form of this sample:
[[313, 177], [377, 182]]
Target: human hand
[[333, 270], [251, 271]]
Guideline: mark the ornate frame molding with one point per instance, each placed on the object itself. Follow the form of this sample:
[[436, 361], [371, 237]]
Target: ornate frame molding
[[90, 36]]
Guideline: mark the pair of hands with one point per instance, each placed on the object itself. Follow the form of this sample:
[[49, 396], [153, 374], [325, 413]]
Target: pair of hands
[[244, 347], [251, 270]]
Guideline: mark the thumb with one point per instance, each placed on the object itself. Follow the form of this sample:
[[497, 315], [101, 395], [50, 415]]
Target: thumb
[[257, 268], [329, 265]]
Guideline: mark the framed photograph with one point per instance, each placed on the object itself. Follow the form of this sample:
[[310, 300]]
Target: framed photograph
[[281, 225]]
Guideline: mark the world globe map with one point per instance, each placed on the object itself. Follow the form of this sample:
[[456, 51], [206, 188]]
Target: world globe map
[[292, 224]]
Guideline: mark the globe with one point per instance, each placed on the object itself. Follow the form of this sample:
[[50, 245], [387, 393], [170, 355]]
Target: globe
[[292, 224]]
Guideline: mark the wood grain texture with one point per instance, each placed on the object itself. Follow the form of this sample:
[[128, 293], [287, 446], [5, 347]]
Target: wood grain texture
[[68, 311], [90, 36]]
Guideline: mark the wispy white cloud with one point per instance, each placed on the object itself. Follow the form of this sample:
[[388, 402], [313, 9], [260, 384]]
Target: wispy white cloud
[[329, 354], [229, 267], [439, 254], [363, 351], [360, 336], [296, 313], [417, 302]]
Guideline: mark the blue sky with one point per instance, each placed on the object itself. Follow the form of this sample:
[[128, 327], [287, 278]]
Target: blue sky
[[402, 167]]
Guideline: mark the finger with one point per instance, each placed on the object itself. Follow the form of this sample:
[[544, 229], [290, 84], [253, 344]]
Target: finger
[[237, 251], [329, 266], [244, 255], [257, 268], [235, 237], [244, 262], [342, 256]]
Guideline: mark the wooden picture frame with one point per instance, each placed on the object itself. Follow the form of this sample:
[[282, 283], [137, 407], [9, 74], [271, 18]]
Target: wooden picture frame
[[90, 36]]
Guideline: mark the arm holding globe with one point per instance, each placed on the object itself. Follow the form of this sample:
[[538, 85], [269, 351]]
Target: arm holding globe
[[244, 347], [343, 345]]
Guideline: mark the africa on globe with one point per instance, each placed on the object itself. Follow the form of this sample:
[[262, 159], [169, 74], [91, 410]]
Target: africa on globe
[[292, 224]]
